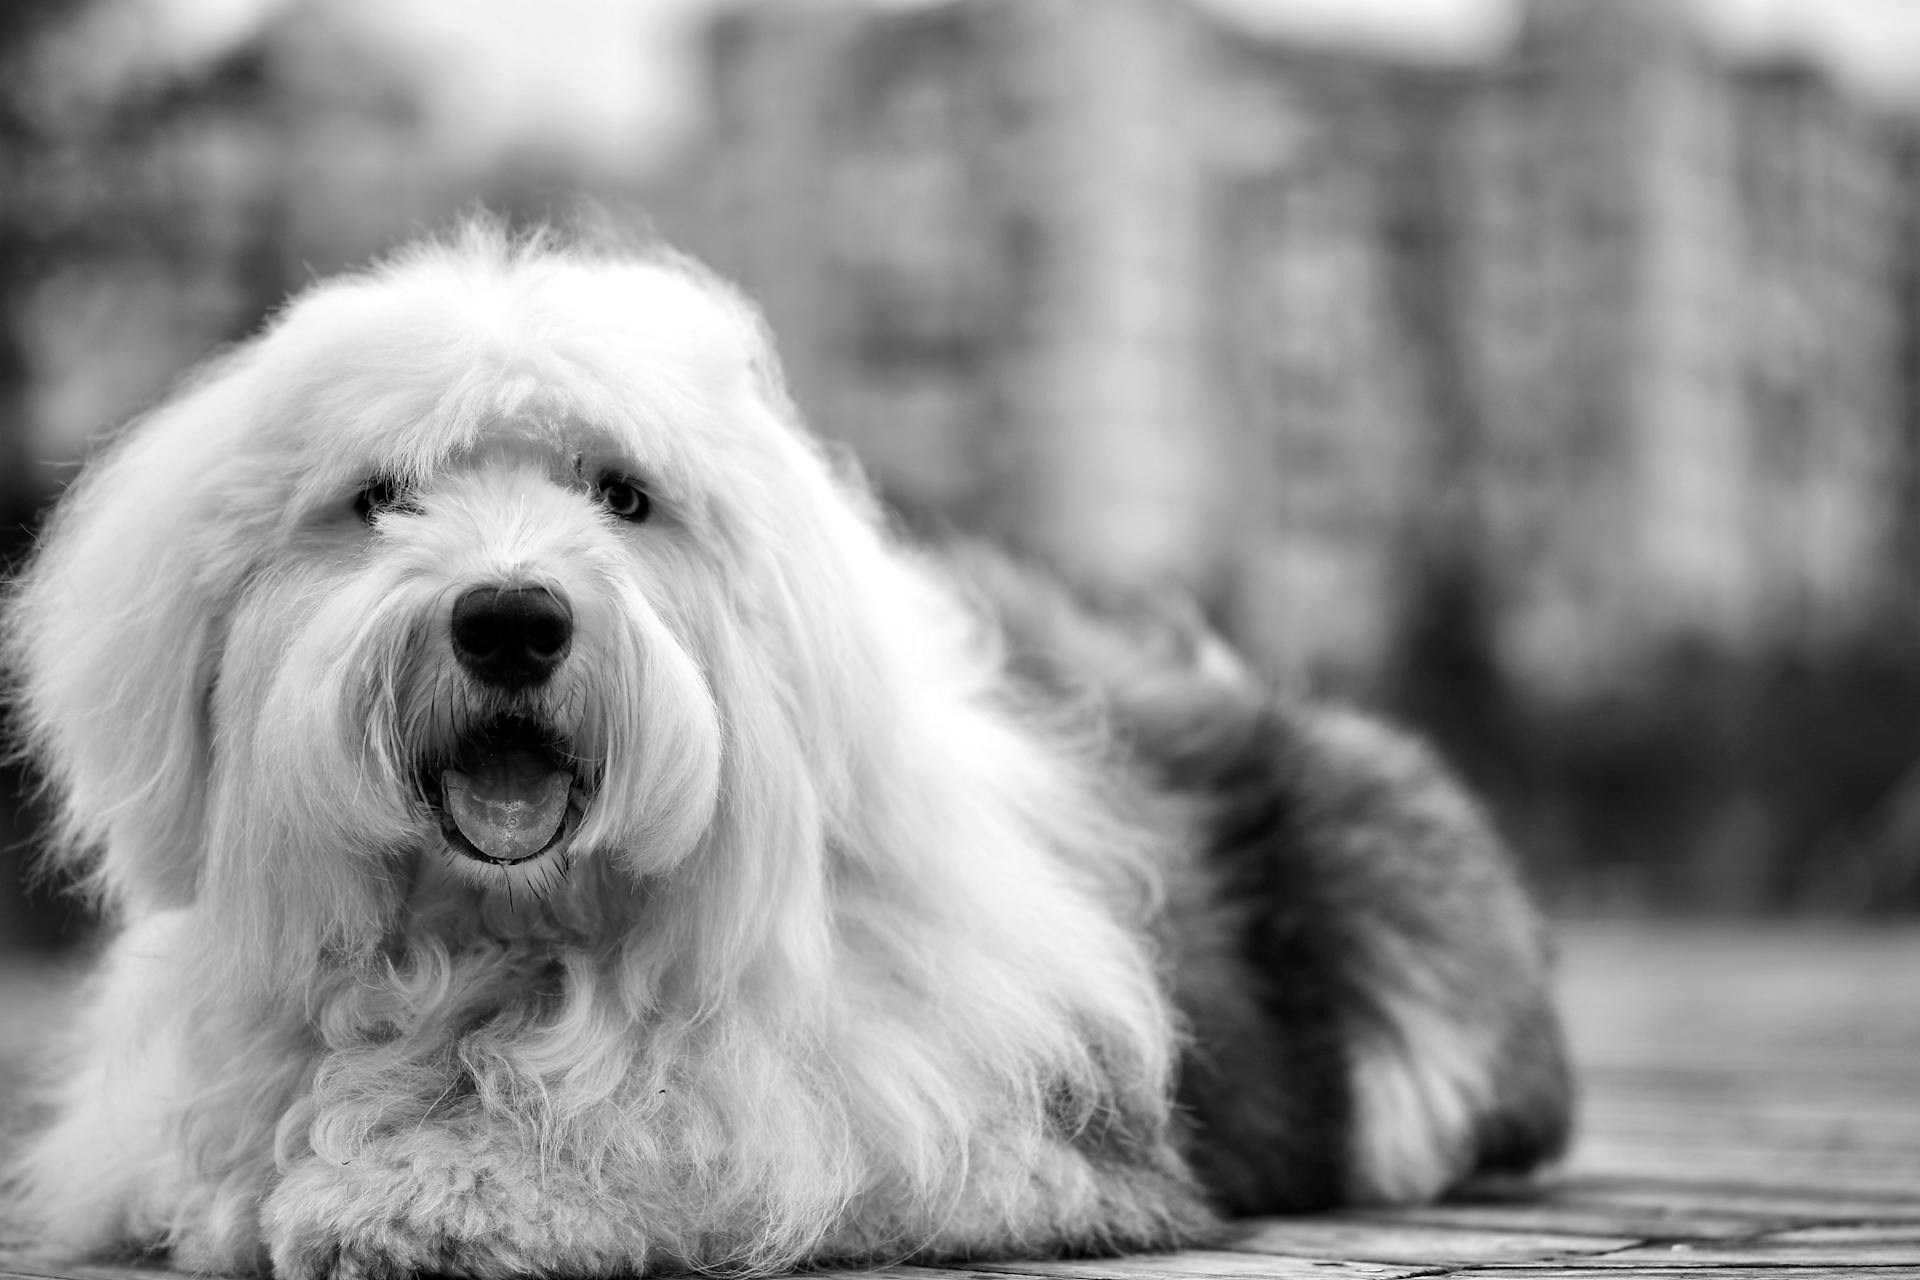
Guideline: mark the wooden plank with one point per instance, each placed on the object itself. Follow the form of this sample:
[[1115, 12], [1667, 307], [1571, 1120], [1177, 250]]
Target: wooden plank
[[1827, 1090], [1756, 998], [1558, 1217], [14, 1266], [1674, 1080], [1205, 1264], [1414, 1243], [906, 1272], [1790, 1109], [1810, 1203], [1877, 1233], [1863, 1172], [1588, 1271], [1772, 1251], [1808, 1159], [1763, 1129], [1194, 1265]]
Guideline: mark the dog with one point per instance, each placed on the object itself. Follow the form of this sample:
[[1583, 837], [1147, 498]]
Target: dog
[[553, 824]]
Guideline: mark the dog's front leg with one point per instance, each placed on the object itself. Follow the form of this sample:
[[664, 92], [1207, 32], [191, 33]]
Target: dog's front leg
[[446, 1201], [163, 1111], [1069, 1199], [1023, 1195]]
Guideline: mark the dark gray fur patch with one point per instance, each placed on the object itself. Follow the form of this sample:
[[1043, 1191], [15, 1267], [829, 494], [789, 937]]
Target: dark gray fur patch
[[1313, 861]]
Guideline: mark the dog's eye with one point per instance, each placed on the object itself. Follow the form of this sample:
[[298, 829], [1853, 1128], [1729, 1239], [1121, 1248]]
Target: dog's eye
[[382, 493], [625, 498]]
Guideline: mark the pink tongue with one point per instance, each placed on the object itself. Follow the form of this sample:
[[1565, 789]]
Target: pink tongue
[[509, 804]]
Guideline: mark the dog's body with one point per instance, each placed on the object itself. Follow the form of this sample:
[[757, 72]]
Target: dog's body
[[556, 828]]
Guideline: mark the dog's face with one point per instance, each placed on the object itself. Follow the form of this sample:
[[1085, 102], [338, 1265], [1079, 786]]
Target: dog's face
[[515, 636], [505, 560]]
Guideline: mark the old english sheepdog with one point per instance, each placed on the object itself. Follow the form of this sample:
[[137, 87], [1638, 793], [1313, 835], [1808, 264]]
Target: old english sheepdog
[[552, 825]]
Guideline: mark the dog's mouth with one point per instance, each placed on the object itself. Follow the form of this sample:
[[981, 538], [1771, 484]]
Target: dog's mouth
[[506, 794]]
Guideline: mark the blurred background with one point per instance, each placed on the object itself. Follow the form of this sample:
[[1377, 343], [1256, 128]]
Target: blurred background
[[1545, 372]]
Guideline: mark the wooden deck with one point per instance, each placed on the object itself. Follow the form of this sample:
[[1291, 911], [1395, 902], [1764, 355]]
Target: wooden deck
[[1752, 1107]]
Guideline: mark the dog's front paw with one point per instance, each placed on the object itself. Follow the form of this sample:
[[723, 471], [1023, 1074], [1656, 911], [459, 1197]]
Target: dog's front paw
[[368, 1220], [394, 1216]]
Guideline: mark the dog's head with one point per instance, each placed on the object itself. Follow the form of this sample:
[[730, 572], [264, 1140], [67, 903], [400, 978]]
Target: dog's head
[[498, 555]]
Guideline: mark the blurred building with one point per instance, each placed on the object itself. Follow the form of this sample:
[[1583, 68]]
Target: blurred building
[[1571, 401], [1612, 332], [1319, 216], [1824, 201], [1688, 333], [126, 256], [1101, 275], [169, 171], [1611, 326], [977, 229], [1603, 329]]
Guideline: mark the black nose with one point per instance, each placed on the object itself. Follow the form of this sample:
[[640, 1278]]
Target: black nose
[[513, 637]]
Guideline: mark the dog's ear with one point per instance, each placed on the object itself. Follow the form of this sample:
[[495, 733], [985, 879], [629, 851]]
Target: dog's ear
[[112, 637], [796, 649]]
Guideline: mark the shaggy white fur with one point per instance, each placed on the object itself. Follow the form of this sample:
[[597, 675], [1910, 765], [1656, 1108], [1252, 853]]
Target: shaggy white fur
[[844, 947]]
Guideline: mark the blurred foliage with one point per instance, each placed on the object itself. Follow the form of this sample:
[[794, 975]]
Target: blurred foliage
[[1770, 782]]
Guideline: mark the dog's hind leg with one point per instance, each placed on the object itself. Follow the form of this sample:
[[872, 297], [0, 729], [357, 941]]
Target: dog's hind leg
[[1380, 1026]]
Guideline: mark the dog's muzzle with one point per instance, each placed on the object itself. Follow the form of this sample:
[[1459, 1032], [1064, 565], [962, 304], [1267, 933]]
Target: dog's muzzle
[[507, 790]]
